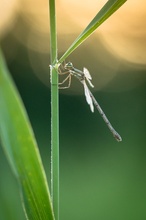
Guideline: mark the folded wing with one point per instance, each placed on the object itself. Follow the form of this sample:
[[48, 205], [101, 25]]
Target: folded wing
[[88, 97], [88, 76]]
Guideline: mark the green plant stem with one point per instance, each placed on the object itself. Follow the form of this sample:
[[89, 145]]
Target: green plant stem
[[54, 113], [55, 144]]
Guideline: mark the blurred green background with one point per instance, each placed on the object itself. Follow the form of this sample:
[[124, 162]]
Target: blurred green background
[[99, 177]]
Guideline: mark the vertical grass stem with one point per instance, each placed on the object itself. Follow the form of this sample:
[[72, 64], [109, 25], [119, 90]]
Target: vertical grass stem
[[54, 113]]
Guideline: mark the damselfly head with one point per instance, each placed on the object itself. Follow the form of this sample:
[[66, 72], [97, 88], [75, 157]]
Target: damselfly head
[[68, 66]]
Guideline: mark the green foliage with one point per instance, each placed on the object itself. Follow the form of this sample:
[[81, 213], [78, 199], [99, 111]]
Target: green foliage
[[21, 150]]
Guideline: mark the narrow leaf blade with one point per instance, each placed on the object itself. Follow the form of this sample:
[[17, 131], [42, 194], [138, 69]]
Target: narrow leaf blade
[[108, 9]]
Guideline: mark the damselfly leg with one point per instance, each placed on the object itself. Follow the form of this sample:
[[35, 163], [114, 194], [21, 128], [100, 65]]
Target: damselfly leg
[[63, 71]]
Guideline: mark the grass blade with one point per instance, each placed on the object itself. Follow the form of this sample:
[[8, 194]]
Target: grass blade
[[21, 150], [108, 9]]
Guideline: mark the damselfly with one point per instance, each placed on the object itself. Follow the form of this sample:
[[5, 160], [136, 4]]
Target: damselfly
[[84, 76]]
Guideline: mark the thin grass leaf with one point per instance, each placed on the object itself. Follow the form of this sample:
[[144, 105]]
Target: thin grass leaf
[[108, 9], [21, 150]]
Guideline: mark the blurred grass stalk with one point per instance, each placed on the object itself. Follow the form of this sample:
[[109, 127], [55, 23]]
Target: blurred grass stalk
[[54, 112], [21, 149]]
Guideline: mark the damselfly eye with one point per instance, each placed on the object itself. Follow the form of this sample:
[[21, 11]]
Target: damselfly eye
[[68, 66]]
